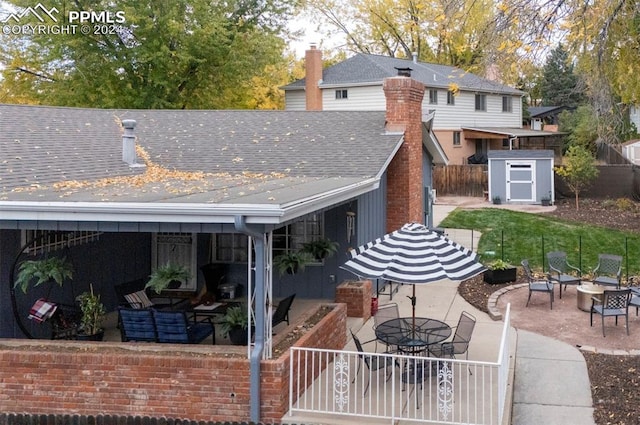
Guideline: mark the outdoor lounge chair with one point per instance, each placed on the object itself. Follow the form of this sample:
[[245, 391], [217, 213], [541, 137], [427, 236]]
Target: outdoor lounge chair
[[560, 269], [174, 327], [537, 285], [373, 362], [612, 303], [136, 324], [608, 272], [282, 311]]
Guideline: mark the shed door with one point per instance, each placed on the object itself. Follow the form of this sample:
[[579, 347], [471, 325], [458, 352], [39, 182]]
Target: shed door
[[521, 181]]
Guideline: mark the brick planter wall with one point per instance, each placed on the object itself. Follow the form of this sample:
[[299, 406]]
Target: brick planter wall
[[357, 296], [196, 382]]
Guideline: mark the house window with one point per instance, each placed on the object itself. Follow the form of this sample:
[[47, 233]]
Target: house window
[[507, 104], [230, 247], [481, 102], [292, 237], [41, 241], [451, 98], [341, 94], [456, 138], [433, 96]]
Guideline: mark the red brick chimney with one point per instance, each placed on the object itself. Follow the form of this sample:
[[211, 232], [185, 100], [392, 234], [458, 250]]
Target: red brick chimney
[[404, 175], [313, 77]]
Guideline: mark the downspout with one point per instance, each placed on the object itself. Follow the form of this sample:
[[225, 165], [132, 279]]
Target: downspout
[[256, 354]]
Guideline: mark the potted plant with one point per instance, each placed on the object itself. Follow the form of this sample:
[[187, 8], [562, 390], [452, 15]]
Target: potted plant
[[497, 200], [93, 312], [235, 324], [292, 262], [321, 248], [53, 268], [500, 271], [168, 276]]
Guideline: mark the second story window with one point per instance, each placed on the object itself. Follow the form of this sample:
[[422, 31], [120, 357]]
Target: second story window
[[456, 138], [507, 104], [481, 102], [433, 96], [341, 94], [451, 98]]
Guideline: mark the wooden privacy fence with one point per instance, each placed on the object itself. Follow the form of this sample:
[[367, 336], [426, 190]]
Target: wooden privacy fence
[[614, 181], [460, 180]]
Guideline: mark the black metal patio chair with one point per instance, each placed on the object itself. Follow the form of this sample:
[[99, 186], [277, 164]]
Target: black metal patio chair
[[373, 361], [560, 270], [537, 285], [608, 272], [612, 303]]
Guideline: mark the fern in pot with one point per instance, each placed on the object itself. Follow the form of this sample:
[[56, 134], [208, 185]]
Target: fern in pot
[[235, 324], [169, 276], [56, 269]]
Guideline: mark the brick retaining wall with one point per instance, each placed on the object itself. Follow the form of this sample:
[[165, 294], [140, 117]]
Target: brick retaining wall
[[200, 383]]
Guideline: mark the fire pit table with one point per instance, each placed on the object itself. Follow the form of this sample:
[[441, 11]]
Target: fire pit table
[[585, 291]]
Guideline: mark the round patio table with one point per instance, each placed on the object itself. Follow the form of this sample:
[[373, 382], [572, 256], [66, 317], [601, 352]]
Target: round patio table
[[412, 335]]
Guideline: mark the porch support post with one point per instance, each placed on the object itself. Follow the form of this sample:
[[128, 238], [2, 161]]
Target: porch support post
[[256, 355]]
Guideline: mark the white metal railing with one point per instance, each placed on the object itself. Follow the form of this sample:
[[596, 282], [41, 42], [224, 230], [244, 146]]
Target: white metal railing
[[400, 387]]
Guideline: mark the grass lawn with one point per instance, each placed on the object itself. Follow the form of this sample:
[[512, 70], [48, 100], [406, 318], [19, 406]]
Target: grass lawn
[[514, 236]]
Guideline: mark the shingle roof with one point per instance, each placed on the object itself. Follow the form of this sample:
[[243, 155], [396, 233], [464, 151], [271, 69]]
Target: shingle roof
[[270, 157], [363, 68]]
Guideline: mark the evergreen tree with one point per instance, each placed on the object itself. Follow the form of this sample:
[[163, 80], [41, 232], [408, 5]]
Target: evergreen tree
[[560, 85]]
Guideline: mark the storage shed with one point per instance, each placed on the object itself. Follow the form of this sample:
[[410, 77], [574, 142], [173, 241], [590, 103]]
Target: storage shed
[[521, 176]]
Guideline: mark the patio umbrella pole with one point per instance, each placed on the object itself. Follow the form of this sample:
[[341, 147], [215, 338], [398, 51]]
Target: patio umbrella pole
[[413, 308]]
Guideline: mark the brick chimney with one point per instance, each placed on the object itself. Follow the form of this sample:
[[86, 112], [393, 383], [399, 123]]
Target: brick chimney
[[313, 78], [404, 175]]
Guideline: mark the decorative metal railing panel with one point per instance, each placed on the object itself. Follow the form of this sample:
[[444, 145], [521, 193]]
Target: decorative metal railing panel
[[400, 387]]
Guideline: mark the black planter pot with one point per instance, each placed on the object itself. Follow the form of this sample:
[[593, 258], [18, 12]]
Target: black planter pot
[[500, 276], [239, 336]]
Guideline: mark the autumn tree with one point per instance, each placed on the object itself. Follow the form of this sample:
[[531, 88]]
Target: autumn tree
[[605, 37], [485, 36], [578, 170], [179, 54]]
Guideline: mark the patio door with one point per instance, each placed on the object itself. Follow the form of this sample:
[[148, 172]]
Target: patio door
[[179, 249], [521, 181]]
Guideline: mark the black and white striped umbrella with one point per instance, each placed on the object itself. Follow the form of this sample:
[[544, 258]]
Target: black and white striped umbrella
[[413, 254]]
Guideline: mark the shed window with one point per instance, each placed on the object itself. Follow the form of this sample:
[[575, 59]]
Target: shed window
[[341, 94]]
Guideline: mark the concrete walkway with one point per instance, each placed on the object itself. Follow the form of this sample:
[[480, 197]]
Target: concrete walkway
[[551, 382]]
